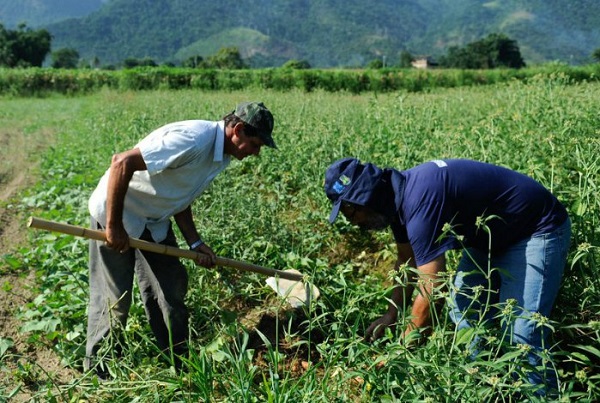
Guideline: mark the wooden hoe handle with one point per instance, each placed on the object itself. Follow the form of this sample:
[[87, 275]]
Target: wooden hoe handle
[[156, 247]]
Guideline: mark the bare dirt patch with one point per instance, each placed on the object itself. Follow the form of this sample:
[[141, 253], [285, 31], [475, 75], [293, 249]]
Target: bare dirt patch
[[19, 286]]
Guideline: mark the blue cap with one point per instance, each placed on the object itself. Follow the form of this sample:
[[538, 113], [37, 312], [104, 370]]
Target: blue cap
[[347, 180]]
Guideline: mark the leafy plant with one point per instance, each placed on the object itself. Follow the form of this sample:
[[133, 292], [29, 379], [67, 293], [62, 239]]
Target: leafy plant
[[271, 210]]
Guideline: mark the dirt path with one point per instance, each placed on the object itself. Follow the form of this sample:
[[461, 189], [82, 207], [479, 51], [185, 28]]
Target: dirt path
[[17, 287]]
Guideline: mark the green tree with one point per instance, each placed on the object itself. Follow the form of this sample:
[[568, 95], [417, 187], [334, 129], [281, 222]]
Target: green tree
[[6, 54], [375, 64], [65, 58], [296, 64], [23, 47], [504, 52], [226, 58], [132, 62], [496, 50], [147, 62], [193, 62], [406, 59], [596, 55]]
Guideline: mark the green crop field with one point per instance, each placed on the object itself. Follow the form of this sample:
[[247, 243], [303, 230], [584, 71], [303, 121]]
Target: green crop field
[[246, 344]]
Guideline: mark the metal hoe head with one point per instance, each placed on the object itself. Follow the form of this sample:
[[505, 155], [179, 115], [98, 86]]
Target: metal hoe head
[[295, 292]]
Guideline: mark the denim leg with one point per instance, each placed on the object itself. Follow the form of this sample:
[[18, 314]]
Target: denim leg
[[531, 277], [474, 290], [474, 295], [529, 273]]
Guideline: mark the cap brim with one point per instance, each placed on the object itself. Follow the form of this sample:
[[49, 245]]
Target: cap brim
[[335, 210], [268, 140]]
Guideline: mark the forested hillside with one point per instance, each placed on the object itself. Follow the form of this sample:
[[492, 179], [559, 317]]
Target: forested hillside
[[546, 30], [36, 13], [328, 32]]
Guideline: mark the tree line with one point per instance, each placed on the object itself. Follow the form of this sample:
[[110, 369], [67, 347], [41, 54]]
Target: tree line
[[25, 47]]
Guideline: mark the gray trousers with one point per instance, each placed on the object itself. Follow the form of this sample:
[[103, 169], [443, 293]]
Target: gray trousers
[[162, 281]]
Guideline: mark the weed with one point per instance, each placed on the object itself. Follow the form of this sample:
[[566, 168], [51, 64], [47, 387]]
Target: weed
[[272, 211]]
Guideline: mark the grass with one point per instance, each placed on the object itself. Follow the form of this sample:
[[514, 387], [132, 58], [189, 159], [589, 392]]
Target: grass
[[245, 346]]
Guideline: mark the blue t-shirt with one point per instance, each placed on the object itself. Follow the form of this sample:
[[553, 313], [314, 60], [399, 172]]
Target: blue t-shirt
[[458, 192]]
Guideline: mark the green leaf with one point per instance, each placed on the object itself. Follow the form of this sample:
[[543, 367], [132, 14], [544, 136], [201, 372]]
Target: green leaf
[[47, 326], [219, 356], [12, 261], [590, 349], [510, 356], [72, 335], [215, 345], [464, 336], [579, 357], [5, 344]]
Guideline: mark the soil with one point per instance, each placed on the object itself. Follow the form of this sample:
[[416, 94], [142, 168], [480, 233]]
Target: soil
[[270, 328], [18, 286]]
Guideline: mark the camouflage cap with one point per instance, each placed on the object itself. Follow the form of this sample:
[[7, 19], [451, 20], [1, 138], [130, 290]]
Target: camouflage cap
[[259, 117]]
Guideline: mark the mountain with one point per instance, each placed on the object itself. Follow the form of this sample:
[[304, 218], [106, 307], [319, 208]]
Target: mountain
[[546, 30], [326, 33], [36, 13]]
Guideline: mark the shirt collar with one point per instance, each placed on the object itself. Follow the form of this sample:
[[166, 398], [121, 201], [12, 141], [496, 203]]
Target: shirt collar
[[219, 142]]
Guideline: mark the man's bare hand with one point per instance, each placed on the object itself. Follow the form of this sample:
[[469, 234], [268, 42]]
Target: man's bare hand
[[206, 257], [117, 238], [377, 328]]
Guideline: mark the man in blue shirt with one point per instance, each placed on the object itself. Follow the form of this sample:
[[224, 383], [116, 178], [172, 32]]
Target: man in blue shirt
[[514, 234]]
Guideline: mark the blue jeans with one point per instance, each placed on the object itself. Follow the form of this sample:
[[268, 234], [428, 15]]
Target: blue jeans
[[528, 276]]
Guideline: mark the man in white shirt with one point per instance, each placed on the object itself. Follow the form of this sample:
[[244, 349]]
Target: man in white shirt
[[137, 196]]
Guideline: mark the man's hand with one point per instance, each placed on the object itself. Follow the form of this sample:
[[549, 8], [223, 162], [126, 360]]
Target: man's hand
[[377, 328], [117, 238], [206, 257]]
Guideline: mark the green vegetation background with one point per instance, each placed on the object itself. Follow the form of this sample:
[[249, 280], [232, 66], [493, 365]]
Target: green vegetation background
[[272, 211], [326, 32], [44, 81]]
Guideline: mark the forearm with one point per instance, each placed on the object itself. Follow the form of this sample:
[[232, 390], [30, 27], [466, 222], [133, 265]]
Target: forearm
[[425, 298], [420, 314], [400, 298], [402, 292], [185, 222]]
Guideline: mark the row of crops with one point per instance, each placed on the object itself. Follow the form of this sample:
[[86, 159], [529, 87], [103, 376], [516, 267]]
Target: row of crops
[[40, 81], [272, 211]]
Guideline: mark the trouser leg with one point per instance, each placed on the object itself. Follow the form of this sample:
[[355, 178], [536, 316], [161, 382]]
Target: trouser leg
[[111, 281], [529, 276], [163, 282], [532, 281], [474, 295]]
